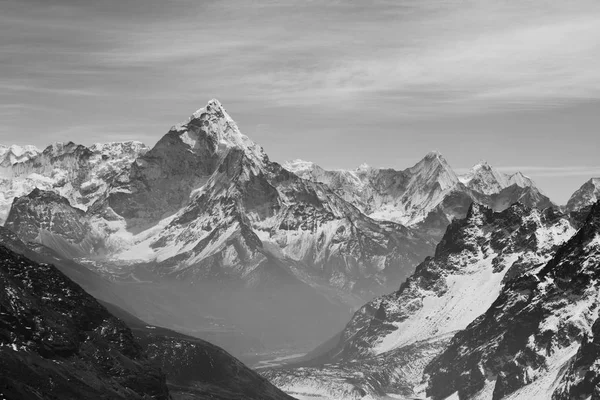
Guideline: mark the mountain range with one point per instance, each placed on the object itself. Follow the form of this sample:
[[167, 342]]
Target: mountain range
[[202, 236]]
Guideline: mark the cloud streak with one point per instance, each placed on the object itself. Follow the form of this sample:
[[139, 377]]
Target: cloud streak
[[426, 57]]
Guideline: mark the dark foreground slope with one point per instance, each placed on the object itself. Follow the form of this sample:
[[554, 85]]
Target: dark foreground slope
[[195, 368], [57, 341]]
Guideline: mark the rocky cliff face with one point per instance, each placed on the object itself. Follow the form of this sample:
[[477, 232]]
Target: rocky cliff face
[[582, 378], [49, 219], [476, 256], [526, 344], [161, 181]]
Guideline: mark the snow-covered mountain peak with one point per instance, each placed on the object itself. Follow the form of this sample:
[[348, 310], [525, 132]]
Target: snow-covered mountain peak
[[59, 148], [433, 158], [13, 154], [433, 154], [586, 195], [482, 165], [125, 146], [214, 122], [520, 180], [213, 107], [484, 178], [300, 167], [17, 150], [434, 168], [79, 173]]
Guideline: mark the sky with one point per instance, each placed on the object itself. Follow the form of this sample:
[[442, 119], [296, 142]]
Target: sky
[[340, 83]]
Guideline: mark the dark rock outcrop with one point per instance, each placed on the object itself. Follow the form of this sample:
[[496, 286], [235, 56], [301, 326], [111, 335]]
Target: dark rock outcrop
[[57, 341]]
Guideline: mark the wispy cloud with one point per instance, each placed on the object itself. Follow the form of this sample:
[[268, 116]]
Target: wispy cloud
[[33, 88], [545, 61], [425, 58]]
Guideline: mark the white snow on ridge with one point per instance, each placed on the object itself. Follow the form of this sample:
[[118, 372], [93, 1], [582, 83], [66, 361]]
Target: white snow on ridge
[[13, 154], [219, 124], [587, 194], [469, 295], [58, 167], [485, 179], [553, 235], [407, 196]]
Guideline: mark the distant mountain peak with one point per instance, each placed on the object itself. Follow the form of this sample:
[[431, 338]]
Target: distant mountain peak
[[13, 154], [18, 150], [434, 168], [586, 195], [486, 179], [298, 165]]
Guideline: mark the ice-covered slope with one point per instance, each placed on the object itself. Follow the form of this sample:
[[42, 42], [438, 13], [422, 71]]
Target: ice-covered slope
[[585, 196], [526, 344], [476, 258], [79, 173], [464, 277]]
